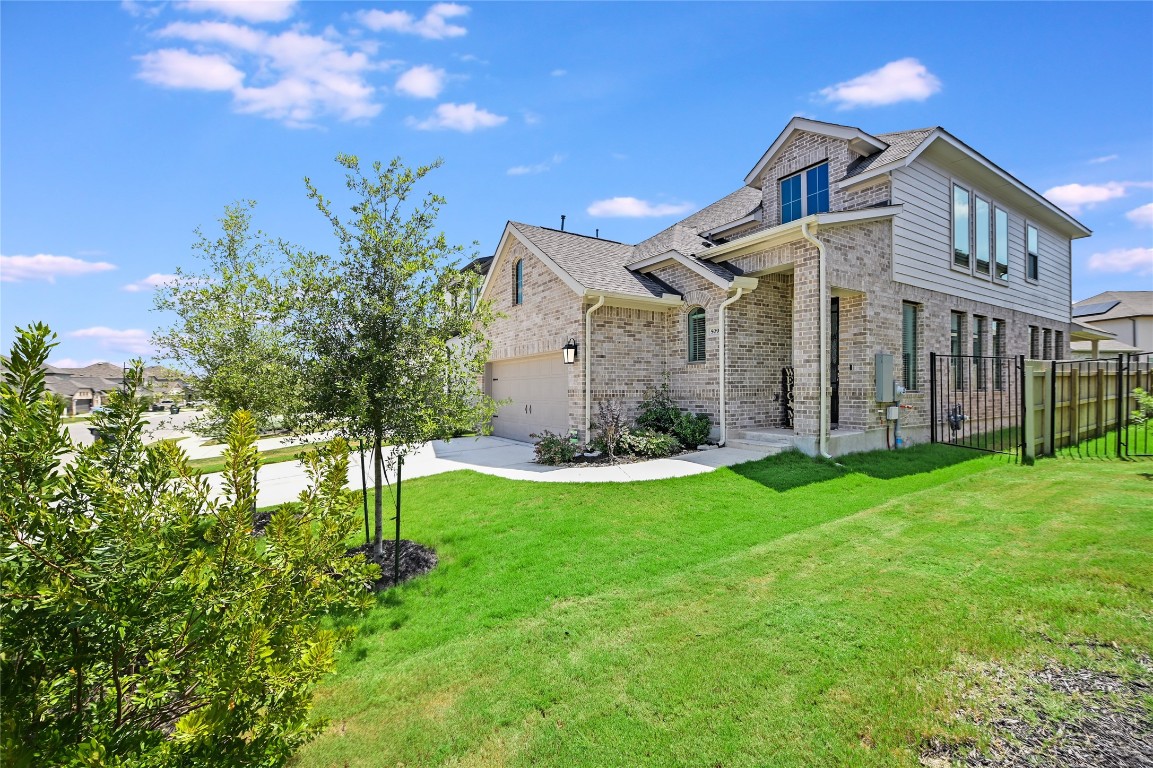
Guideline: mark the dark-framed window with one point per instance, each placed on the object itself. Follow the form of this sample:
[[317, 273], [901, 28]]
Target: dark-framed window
[[805, 193], [983, 236], [518, 282], [909, 345], [696, 335], [1032, 252], [957, 347], [1034, 343], [999, 354], [962, 215], [1001, 247], [1047, 344], [980, 348]]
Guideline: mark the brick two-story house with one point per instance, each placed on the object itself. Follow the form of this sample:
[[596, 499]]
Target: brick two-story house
[[767, 309]]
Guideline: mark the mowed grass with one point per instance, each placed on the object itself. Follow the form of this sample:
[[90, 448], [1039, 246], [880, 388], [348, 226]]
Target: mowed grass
[[787, 612]]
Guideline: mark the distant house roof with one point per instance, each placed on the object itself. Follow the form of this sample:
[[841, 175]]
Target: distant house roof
[[1112, 305]]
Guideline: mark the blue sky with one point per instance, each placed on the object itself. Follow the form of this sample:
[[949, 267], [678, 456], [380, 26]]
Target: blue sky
[[126, 126]]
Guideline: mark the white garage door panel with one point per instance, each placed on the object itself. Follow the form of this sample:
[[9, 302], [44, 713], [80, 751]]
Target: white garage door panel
[[538, 389]]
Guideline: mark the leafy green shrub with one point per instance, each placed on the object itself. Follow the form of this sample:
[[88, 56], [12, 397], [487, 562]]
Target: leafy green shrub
[[1144, 410], [553, 449], [692, 429], [647, 443], [657, 411]]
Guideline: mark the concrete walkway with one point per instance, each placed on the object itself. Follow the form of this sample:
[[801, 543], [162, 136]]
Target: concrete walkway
[[283, 482]]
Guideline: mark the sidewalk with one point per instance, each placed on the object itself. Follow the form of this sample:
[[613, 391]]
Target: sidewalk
[[511, 459]]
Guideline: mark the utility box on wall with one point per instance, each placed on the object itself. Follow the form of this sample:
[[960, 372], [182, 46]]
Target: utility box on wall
[[885, 380]]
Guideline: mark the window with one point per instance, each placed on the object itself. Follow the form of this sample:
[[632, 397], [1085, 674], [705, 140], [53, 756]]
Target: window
[[909, 345], [805, 193], [1058, 345], [518, 283], [979, 330], [1047, 344], [1032, 253], [1034, 343], [961, 247], [957, 348], [696, 335], [1001, 250], [998, 352], [983, 231]]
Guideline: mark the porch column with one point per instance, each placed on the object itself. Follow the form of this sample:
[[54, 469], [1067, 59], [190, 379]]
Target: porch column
[[806, 344]]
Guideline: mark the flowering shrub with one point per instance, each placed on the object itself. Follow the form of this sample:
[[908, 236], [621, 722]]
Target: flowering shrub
[[553, 449]]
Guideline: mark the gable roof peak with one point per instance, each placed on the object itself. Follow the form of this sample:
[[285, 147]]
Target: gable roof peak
[[860, 142]]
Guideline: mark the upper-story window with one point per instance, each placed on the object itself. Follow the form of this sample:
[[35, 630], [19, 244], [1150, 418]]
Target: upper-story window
[[805, 193], [962, 250], [518, 282], [1032, 252], [1001, 249], [983, 231], [696, 335]]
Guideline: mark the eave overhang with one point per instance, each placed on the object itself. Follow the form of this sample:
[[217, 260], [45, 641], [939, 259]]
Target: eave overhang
[[787, 233], [859, 142]]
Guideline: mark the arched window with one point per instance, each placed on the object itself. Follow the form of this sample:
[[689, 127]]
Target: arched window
[[696, 335], [518, 283]]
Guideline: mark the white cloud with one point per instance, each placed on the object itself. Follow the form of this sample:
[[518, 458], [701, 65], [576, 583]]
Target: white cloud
[[131, 340], [176, 68], [433, 25], [141, 8], [559, 72], [458, 117], [1104, 159], [421, 82], [1136, 260], [1143, 216], [256, 11], [526, 170], [631, 207], [1074, 197], [45, 266], [149, 283], [902, 80], [292, 76]]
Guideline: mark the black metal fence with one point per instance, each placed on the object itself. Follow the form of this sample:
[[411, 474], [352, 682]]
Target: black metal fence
[[977, 402], [1097, 410]]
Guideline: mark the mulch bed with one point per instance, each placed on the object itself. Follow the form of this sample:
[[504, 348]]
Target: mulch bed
[[1111, 726], [602, 459], [415, 560]]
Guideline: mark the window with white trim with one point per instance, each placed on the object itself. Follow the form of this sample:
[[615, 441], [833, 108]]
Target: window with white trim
[[805, 193], [1032, 253], [962, 248], [983, 235], [1001, 247]]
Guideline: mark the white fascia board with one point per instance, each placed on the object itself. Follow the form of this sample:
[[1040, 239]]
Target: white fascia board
[[1078, 229], [510, 230], [1083, 332], [786, 233], [614, 299], [676, 257], [844, 132]]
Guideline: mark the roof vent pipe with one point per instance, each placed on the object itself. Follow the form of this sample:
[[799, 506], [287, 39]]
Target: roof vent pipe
[[562, 222], [598, 233]]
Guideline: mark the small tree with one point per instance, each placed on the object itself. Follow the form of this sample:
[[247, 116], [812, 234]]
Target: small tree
[[140, 621], [393, 352], [611, 426], [230, 331]]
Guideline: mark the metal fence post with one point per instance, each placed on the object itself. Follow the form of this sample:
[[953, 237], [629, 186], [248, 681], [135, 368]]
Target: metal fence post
[[932, 397]]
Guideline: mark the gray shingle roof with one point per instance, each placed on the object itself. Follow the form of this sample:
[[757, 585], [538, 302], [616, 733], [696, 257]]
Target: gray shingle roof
[[594, 263], [901, 143], [1127, 304], [684, 236]]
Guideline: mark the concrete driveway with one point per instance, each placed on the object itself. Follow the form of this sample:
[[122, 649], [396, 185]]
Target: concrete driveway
[[280, 483]]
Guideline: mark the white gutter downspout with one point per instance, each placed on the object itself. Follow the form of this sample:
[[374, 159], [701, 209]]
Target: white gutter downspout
[[823, 440], [721, 322], [589, 368]]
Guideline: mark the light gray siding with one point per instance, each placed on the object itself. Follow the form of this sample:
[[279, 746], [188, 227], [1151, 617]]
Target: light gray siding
[[923, 248]]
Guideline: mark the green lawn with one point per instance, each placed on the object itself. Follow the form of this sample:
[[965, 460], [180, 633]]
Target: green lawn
[[781, 613], [271, 456]]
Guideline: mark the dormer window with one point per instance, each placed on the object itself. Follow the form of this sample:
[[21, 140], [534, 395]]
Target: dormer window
[[805, 193]]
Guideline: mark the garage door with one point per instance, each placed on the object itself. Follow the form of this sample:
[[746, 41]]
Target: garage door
[[538, 389]]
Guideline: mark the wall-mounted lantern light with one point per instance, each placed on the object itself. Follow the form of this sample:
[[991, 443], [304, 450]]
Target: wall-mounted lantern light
[[569, 351]]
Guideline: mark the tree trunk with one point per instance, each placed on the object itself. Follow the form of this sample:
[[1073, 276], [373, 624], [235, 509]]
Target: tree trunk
[[378, 502]]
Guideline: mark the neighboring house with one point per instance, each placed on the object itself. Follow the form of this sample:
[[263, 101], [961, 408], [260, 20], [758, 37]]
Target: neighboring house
[[86, 388], [1126, 315], [766, 310]]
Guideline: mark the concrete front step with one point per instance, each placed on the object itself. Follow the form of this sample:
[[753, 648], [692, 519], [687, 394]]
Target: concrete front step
[[769, 449]]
